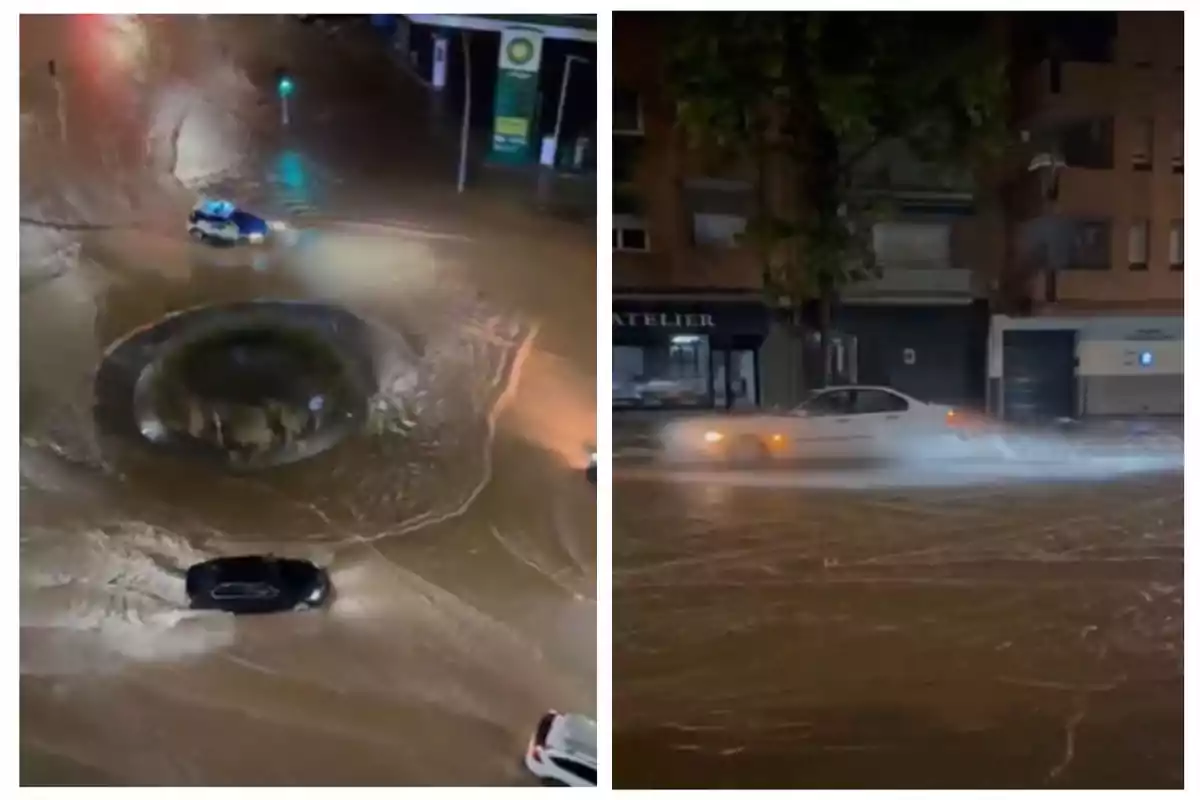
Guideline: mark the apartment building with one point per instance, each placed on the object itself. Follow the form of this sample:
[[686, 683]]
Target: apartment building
[[1040, 283], [1096, 221], [690, 327]]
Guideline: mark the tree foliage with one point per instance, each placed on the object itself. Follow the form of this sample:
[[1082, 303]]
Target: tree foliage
[[820, 91]]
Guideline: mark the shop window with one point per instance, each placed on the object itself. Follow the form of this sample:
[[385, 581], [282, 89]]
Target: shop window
[[673, 372], [1139, 245]]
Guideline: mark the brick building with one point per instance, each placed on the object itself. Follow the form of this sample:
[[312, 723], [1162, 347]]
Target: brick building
[[973, 281], [1096, 241]]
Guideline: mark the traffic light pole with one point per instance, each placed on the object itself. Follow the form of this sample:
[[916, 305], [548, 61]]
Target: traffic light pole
[[464, 133], [284, 87]]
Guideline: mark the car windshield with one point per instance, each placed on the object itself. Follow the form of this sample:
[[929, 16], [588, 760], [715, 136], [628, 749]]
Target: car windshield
[[244, 590], [578, 770]]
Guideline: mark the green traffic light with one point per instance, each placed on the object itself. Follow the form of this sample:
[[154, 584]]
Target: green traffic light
[[286, 87]]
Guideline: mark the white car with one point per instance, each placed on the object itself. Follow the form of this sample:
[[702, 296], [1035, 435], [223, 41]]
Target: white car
[[836, 423], [562, 751]]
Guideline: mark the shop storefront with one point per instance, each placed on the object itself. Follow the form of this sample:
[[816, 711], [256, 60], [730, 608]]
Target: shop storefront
[[681, 354]]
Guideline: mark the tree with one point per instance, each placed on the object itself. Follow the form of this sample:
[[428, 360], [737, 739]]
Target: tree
[[806, 97]]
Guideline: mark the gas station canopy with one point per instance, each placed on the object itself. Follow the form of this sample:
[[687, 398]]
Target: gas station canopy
[[571, 27]]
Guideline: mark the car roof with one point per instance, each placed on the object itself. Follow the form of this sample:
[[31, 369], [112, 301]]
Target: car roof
[[216, 208], [575, 735], [867, 387]]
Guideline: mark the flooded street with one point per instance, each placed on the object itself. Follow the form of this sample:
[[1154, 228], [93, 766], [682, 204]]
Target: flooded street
[[866, 629], [456, 525]]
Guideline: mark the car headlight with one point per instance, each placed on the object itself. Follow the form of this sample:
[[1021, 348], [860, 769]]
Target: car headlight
[[316, 594], [255, 238], [712, 437], [277, 225]]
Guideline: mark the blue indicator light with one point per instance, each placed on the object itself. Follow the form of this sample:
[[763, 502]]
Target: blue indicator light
[[1146, 358]]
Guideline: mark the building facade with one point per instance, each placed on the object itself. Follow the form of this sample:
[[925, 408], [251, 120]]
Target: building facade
[[1090, 314], [987, 296], [921, 326]]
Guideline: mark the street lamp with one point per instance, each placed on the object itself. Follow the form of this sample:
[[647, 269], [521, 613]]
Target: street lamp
[[1047, 166]]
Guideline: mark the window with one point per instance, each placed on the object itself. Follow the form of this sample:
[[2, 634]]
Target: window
[[627, 202], [627, 113], [626, 152], [630, 236], [578, 770], [1089, 244], [717, 230], [1139, 244], [1142, 153], [1085, 36], [261, 591], [1176, 245], [629, 233], [874, 401], [1177, 150], [912, 244], [836, 403], [671, 373], [1088, 143]]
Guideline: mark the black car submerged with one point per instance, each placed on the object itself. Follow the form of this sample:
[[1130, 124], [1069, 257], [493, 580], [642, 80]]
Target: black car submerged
[[257, 585]]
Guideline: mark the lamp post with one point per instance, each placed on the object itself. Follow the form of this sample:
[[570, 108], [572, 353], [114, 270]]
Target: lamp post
[[1047, 167]]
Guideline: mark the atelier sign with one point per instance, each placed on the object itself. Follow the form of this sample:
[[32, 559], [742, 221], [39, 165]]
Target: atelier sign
[[639, 319]]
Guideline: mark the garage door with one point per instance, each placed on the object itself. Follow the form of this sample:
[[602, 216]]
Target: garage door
[[1039, 375]]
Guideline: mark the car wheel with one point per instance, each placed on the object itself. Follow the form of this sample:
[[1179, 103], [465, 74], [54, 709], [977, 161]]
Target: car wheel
[[198, 235], [748, 449], [553, 782]]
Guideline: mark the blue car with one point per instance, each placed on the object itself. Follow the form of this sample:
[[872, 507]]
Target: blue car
[[221, 222]]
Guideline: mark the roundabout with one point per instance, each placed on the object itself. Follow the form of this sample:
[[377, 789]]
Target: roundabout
[[247, 385]]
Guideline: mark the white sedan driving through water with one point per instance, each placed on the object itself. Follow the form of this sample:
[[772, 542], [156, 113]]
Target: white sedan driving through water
[[837, 423]]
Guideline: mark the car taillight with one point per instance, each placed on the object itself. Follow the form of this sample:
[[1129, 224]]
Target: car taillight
[[535, 752]]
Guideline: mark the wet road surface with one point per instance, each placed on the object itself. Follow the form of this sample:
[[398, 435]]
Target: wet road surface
[[797, 631], [458, 529]]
